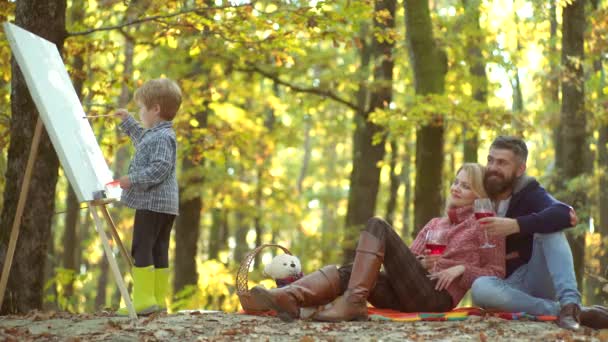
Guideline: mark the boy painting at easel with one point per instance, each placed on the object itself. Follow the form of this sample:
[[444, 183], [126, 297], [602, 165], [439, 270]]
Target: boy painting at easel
[[150, 187]]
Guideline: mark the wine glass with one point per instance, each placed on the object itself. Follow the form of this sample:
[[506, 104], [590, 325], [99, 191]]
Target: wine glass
[[435, 243], [483, 208]]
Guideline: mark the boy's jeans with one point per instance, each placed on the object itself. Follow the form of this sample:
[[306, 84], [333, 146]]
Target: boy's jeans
[[539, 287]]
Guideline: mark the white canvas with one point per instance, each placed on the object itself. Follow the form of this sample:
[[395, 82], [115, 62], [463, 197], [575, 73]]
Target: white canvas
[[61, 111]]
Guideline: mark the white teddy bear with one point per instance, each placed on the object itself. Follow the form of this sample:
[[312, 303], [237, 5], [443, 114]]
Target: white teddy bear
[[284, 269]]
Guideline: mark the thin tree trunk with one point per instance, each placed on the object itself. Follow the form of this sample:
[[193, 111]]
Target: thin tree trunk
[[365, 176], [395, 182], [553, 83], [307, 152], [187, 225], [187, 232], [215, 231], [71, 244], [603, 196], [477, 69], [240, 236], [26, 279], [430, 66], [407, 196], [574, 120], [602, 164], [329, 222], [102, 281]]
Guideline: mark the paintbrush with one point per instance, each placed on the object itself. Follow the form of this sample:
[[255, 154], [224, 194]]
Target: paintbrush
[[98, 116]]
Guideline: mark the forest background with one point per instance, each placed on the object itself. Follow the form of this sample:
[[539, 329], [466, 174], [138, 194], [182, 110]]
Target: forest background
[[301, 119]]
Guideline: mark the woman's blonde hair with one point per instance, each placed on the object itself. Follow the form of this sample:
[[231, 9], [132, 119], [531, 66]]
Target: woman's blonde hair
[[475, 173], [163, 92]]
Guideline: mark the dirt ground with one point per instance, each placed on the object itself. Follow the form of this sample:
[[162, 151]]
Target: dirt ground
[[220, 326]]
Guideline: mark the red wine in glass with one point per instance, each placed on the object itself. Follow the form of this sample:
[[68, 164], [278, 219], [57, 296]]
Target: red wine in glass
[[483, 208], [481, 215], [435, 248]]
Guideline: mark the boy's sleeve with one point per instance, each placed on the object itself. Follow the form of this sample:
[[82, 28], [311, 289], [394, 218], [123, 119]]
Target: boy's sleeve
[[162, 161], [132, 128]]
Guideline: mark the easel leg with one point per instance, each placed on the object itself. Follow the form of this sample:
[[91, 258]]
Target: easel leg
[[112, 262], [25, 186], [116, 237]]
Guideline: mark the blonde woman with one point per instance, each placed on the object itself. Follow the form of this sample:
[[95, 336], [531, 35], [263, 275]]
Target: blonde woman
[[412, 279]]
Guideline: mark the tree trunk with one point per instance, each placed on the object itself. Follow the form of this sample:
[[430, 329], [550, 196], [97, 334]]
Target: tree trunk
[[365, 176], [395, 182], [187, 231], [71, 244], [552, 97], [329, 222], [217, 232], [307, 152], [240, 237], [25, 284], [603, 195], [102, 281], [477, 69], [407, 196], [187, 225], [602, 164], [575, 148], [430, 66]]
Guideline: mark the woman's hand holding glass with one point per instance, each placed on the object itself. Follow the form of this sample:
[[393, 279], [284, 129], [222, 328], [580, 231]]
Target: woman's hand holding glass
[[435, 245], [428, 261]]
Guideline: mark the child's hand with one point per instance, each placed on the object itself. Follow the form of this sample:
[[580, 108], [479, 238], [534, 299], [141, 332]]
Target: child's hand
[[122, 113], [125, 182]]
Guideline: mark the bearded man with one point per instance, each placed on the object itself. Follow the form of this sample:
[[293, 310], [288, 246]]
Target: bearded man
[[540, 270]]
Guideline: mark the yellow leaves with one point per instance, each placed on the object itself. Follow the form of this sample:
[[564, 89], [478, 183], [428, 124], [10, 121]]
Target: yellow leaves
[[171, 42], [228, 112], [194, 51], [383, 16]]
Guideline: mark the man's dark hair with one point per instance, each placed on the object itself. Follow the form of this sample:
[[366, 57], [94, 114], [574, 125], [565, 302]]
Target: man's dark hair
[[513, 144]]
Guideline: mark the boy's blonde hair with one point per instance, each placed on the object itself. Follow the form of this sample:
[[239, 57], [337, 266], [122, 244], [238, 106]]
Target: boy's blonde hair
[[163, 92]]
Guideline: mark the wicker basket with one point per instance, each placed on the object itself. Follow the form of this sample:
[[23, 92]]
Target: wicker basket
[[249, 304]]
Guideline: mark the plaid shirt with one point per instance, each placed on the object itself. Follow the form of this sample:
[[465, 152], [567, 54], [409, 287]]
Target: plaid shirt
[[152, 170]]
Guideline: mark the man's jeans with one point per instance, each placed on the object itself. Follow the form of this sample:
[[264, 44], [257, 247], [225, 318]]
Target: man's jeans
[[539, 287]]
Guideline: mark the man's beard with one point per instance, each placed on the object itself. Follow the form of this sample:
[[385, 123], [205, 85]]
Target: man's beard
[[499, 184]]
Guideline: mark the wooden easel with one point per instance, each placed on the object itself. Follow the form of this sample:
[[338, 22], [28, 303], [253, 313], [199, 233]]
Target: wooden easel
[[93, 205]]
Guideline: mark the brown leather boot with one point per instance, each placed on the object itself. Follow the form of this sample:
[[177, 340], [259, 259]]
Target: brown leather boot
[[353, 304], [595, 317], [317, 288], [569, 316]]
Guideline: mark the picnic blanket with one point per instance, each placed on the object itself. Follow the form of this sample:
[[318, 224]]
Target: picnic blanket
[[458, 314]]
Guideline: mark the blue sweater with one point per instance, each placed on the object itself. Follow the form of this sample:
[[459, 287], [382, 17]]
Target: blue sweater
[[536, 212]]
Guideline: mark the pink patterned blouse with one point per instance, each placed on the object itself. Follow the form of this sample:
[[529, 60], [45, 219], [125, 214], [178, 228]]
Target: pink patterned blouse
[[464, 237]]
